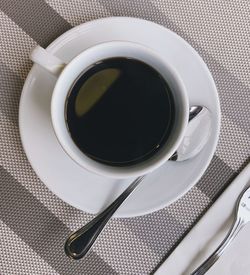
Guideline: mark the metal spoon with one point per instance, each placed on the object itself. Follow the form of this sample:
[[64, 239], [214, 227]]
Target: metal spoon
[[196, 136], [241, 219]]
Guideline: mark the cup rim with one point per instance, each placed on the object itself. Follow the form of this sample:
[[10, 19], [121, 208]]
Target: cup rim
[[86, 162]]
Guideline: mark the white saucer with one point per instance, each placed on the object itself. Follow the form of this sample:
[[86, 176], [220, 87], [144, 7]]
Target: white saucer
[[81, 188]]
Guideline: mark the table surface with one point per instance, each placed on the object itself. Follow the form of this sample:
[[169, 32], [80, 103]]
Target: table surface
[[33, 221]]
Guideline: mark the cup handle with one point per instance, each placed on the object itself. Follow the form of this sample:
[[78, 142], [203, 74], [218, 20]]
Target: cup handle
[[49, 62]]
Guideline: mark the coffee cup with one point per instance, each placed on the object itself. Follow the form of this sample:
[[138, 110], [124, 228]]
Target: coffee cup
[[68, 77]]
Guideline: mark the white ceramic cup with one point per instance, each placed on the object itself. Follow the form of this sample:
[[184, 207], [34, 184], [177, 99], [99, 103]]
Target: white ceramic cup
[[66, 75]]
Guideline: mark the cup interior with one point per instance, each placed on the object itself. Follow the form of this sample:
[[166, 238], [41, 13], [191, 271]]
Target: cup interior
[[109, 50]]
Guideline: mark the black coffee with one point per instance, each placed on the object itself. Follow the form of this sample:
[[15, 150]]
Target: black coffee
[[120, 111]]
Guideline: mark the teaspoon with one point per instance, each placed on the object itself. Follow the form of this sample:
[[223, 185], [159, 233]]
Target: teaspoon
[[196, 136]]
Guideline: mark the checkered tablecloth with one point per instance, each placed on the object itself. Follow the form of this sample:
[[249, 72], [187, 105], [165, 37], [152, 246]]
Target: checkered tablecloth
[[33, 221]]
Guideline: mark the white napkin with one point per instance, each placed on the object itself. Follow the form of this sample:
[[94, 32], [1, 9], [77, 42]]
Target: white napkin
[[207, 234]]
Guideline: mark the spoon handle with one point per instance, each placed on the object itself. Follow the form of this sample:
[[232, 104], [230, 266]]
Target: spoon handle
[[207, 264], [79, 243]]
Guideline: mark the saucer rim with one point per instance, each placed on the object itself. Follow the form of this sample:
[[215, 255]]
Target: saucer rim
[[52, 48]]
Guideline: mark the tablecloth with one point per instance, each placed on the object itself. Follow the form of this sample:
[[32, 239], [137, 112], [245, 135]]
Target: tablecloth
[[33, 221]]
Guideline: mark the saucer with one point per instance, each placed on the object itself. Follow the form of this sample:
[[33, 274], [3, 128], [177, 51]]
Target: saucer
[[79, 187]]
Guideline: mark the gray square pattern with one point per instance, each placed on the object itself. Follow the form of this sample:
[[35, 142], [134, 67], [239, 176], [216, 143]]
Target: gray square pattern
[[34, 222]]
